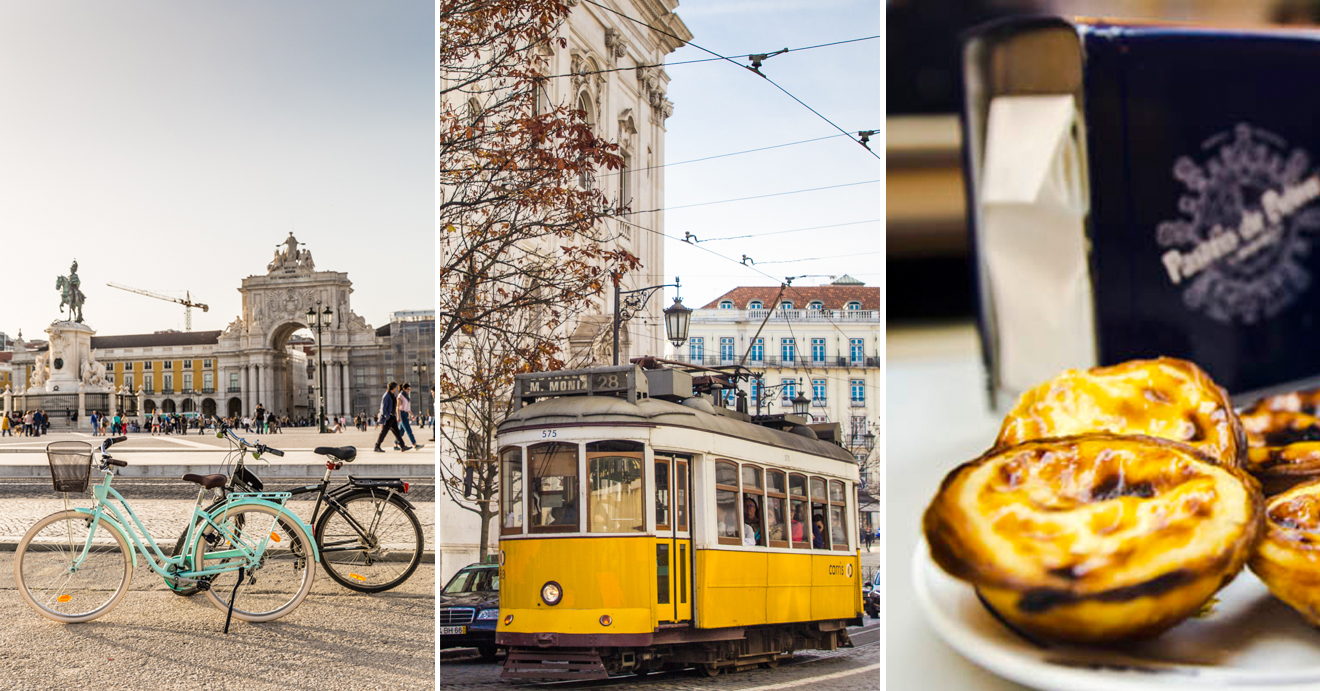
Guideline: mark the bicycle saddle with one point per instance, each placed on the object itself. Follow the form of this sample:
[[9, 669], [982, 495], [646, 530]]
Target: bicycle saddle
[[207, 481], [340, 453]]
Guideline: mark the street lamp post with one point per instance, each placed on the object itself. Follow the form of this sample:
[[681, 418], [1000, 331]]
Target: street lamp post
[[317, 320], [677, 317]]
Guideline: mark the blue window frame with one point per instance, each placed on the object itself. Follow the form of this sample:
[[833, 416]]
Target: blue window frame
[[788, 392], [696, 348], [818, 392], [858, 390], [758, 350], [818, 350], [786, 351], [756, 391], [856, 351], [726, 349]]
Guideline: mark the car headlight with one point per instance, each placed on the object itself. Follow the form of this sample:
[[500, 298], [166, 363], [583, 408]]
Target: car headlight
[[488, 614], [551, 593]]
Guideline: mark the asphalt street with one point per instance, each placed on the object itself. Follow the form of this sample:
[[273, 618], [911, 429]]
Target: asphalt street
[[156, 640], [848, 669]]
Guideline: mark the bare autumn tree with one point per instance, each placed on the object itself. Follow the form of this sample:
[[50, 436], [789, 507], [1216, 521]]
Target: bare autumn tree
[[476, 374], [524, 244]]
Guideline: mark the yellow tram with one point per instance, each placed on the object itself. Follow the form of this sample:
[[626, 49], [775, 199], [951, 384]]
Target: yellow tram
[[644, 526]]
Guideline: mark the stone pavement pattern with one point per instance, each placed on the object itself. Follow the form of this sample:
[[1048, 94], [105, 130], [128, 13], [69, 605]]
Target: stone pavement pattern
[[154, 639], [165, 519]]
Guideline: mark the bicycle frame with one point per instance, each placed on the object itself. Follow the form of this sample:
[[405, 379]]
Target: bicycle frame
[[250, 555]]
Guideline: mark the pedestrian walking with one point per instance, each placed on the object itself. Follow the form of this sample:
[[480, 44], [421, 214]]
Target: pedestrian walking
[[389, 412], [405, 415], [4, 426]]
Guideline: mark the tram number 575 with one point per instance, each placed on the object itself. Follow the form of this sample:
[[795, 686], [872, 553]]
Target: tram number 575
[[549, 433]]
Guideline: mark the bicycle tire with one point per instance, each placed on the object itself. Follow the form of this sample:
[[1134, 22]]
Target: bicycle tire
[[39, 561], [292, 567], [352, 569]]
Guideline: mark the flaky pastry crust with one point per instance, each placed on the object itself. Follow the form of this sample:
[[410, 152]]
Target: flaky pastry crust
[[1288, 558], [1094, 538], [1283, 446], [1165, 397]]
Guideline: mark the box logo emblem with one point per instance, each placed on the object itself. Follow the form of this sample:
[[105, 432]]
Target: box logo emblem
[[1248, 219]]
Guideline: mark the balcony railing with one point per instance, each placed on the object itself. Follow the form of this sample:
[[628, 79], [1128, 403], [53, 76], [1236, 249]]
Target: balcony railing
[[858, 403], [732, 316], [800, 362], [234, 389], [208, 389]]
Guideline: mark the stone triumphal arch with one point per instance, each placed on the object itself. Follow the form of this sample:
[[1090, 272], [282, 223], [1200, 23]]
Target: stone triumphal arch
[[256, 365]]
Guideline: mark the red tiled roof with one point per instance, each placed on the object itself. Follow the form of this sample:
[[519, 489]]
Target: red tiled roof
[[6, 355], [834, 297]]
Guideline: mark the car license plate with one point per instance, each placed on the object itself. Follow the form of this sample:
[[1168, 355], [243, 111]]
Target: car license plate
[[453, 630]]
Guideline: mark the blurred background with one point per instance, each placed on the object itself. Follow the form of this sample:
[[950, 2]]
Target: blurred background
[[929, 277]]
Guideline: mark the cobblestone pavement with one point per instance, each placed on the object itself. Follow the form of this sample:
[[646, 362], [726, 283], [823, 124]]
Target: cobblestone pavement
[[135, 488], [156, 640], [165, 519], [849, 669]]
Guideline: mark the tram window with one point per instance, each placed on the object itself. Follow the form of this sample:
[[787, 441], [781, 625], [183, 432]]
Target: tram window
[[726, 503], [552, 487], [681, 494], [775, 501], [615, 491], [799, 523], [753, 507], [838, 527], [511, 492], [661, 493], [820, 528]]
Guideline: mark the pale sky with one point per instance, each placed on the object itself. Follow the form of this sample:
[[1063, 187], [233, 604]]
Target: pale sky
[[720, 108], [170, 146]]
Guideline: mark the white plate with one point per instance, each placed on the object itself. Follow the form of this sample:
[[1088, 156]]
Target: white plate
[[1250, 642]]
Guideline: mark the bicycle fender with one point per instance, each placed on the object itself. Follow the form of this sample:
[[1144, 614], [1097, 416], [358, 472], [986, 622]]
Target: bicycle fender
[[110, 519], [368, 490], [316, 551]]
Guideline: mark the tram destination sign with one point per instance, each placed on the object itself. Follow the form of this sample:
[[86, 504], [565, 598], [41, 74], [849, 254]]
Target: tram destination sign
[[624, 380]]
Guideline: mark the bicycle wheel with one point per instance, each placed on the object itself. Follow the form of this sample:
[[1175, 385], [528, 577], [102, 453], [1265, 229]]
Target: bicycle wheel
[[369, 543], [282, 578], [54, 585]]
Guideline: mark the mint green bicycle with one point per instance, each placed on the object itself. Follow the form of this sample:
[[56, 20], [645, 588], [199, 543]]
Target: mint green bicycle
[[75, 565]]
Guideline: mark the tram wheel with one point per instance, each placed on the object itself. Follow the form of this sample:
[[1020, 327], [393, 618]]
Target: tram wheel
[[771, 664], [711, 670]]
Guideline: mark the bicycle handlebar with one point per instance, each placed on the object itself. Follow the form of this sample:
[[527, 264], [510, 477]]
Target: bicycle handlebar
[[116, 461], [262, 448], [245, 444]]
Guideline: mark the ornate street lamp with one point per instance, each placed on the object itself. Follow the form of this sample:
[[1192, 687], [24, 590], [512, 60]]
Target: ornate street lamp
[[317, 320], [677, 316], [800, 404], [868, 440]]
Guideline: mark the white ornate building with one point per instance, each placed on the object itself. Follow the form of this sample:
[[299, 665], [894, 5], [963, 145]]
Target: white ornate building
[[627, 106]]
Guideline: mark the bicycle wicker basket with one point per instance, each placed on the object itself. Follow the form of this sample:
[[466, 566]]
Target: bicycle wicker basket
[[70, 465]]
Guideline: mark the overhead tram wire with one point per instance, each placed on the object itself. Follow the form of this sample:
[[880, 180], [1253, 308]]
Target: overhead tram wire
[[759, 196], [689, 62], [781, 232], [731, 61]]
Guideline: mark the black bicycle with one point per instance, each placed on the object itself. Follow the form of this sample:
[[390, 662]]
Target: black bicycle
[[368, 534]]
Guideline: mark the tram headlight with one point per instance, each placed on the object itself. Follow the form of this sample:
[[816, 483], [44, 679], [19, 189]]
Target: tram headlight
[[606, 620], [551, 593], [488, 614]]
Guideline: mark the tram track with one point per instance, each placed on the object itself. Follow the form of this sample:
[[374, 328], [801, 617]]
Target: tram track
[[798, 661]]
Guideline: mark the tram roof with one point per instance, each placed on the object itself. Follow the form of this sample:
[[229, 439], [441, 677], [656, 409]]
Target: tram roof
[[571, 410]]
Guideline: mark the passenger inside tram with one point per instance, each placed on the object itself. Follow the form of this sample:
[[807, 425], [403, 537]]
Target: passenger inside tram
[[798, 515], [752, 523], [818, 532]]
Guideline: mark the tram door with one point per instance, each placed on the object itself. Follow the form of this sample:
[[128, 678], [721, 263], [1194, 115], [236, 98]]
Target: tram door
[[673, 546]]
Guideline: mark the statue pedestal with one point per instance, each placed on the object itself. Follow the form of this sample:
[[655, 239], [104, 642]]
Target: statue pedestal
[[70, 345]]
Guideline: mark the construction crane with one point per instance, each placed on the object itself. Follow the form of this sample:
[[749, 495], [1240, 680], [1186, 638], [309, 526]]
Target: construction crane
[[186, 301]]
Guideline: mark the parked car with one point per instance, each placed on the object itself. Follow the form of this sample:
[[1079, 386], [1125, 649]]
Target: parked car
[[470, 609], [872, 597]]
